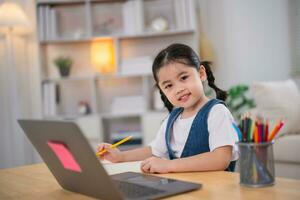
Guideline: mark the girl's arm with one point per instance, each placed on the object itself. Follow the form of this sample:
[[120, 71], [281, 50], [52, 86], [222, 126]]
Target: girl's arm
[[218, 159], [136, 154], [115, 155]]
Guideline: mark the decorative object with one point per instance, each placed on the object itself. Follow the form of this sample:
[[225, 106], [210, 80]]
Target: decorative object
[[64, 65], [108, 18], [159, 24], [84, 108], [237, 100], [103, 55], [162, 15]]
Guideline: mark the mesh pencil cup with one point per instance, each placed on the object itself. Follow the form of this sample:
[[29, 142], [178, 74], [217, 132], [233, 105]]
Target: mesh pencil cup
[[256, 164]]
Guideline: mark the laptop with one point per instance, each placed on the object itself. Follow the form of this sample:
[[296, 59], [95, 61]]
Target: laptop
[[73, 163]]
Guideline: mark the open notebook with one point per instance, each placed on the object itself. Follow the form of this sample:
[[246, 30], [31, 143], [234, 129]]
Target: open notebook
[[116, 168]]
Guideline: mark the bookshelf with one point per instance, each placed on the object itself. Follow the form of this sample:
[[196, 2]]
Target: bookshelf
[[119, 101]]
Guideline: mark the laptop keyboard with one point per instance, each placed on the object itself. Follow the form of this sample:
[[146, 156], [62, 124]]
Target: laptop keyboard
[[131, 190]]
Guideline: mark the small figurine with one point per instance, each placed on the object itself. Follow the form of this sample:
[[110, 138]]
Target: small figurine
[[84, 108]]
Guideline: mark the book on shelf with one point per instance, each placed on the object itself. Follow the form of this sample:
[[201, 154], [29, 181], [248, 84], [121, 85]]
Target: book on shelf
[[190, 16], [49, 99], [180, 10], [47, 22], [139, 17], [128, 16], [128, 104], [184, 18], [136, 66], [133, 17], [41, 22], [53, 23]]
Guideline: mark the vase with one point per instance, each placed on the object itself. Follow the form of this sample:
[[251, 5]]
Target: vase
[[64, 71]]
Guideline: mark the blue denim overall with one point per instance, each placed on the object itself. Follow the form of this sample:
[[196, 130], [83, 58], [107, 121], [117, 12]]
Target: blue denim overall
[[197, 141]]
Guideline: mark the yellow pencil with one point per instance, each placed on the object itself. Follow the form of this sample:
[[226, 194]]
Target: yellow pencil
[[115, 145]]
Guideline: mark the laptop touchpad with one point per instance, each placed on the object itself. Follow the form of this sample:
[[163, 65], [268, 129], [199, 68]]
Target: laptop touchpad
[[143, 179]]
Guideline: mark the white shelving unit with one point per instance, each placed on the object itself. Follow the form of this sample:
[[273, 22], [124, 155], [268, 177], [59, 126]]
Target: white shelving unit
[[120, 101]]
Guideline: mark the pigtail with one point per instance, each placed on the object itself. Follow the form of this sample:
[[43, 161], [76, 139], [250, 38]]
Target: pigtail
[[221, 94], [166, 102]]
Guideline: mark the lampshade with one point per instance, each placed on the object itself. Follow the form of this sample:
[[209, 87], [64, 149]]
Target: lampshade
[[12, 17], [103, 55]]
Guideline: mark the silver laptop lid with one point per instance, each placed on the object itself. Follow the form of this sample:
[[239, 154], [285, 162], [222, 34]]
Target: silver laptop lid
[[70, 158]]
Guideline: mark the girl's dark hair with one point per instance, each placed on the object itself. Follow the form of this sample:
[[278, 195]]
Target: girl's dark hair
[[181, 53]]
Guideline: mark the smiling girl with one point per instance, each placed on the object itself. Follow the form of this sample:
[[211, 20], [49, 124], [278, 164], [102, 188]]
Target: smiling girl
[[198, 134]]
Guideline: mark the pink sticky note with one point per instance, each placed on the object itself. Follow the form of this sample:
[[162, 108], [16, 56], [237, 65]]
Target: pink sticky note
[[64, 155]]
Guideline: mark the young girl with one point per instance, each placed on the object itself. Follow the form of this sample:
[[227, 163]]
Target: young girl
[[198, 134]]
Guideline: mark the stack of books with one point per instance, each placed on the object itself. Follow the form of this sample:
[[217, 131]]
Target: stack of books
[[136, 66], [128, 104]]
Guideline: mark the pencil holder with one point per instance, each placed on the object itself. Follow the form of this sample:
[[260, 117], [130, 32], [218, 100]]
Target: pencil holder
[[256, 164]]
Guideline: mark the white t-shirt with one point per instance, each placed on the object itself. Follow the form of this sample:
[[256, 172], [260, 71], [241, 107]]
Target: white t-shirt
[[221, 133]]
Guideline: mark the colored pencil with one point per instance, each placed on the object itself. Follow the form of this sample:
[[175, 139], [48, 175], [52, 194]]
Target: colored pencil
[[275, 130], [115, 145]]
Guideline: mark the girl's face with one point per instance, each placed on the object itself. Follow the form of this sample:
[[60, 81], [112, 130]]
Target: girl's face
[[182, 85]]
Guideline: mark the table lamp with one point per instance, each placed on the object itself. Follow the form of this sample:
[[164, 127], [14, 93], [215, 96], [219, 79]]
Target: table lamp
[[103, 55]]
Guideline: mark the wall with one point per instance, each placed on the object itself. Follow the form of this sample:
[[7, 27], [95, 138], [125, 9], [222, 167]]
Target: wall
[[294, 8], [250, 38]]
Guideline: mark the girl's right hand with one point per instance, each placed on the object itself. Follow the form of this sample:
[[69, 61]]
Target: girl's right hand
[[112, 154]]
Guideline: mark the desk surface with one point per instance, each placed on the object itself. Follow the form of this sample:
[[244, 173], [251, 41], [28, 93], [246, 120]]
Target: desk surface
[[36, 182]]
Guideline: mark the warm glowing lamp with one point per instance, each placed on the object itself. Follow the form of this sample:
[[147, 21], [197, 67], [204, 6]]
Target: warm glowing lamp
[[103, 55], [13, 19]]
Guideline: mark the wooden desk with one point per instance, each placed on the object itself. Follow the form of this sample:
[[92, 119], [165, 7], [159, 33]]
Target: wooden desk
[[36, 182]]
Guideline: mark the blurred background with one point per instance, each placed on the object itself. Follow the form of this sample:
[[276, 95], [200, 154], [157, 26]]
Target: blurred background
[[90, 61]]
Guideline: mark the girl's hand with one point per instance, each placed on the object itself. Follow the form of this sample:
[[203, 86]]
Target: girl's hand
[[156, 165], [112, 154]]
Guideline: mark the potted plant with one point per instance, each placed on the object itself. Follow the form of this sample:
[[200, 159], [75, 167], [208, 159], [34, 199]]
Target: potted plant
[[64, 65], [237, 101]]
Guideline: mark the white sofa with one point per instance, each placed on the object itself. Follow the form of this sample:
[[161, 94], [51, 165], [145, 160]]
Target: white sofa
[[281, 100], [287, 156]]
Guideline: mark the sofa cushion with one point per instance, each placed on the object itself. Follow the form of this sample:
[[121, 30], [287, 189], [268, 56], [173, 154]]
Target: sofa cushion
[[278, 100], [286, 149]]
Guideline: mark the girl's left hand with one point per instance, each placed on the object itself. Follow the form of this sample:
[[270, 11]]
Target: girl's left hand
[[155, 165]]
